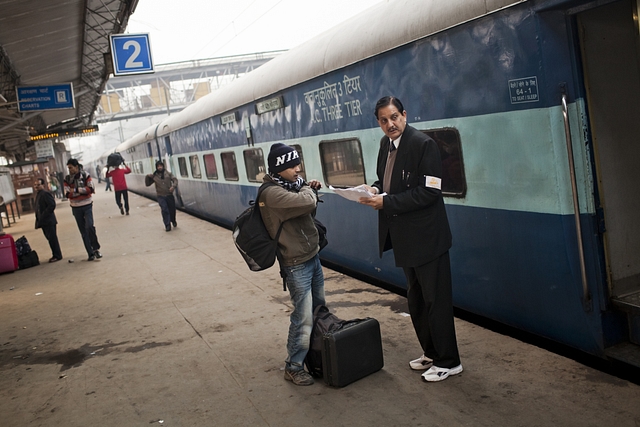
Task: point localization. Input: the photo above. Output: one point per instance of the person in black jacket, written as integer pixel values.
(412, 220)
(46, 218)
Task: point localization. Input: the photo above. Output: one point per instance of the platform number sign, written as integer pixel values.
(131, 54)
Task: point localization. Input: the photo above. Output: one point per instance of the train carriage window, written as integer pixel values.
(167, 145)
(342, 163)
(195, 167)
(453, 178)
(254, 164)
(302, 172)
(182, 165)
(229, 166)
(210, 167)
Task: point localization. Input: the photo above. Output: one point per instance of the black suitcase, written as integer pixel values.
(30, 259)
(352, 352)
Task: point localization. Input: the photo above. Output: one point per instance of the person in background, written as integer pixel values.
(78, 188)
(46, 218)
(108, 181)
(165, 183)
(55, 185)
(60, 177)
(99, 173)
(412, 220)
(120, 184)
(292, 202)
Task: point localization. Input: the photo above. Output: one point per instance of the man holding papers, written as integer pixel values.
(412, 220)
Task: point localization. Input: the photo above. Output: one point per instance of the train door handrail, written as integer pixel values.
(586, 298)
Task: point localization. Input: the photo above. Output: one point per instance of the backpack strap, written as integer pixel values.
(278, 254)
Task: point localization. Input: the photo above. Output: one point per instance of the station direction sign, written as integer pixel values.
(40, 98)
(131, 54)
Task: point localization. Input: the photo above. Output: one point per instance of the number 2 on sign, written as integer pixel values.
(131, 62)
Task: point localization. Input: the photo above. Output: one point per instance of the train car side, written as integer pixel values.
(495, 93)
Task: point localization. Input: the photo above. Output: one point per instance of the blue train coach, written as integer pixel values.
(535, 107)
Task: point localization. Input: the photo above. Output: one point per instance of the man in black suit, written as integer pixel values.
(412, 220)
(46, 218)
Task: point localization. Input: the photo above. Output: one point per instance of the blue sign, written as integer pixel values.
(131, 54)
(38, 98)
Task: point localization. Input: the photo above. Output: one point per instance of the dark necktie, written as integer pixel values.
(391, 159)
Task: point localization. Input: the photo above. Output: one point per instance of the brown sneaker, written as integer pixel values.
(299, 377)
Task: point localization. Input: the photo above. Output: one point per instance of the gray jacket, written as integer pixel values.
(162, 184)
(298, 240)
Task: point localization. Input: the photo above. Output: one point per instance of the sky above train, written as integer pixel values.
(198, 29)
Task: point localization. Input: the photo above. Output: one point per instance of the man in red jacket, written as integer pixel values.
(120, 184)
(78, 188)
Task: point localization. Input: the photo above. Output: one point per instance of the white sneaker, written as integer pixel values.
(421, 363)
(438, 374)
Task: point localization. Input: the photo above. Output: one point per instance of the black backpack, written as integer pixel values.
(323, 322)
(255, 244)
(252, 239)
(22, 246)
(114, 160)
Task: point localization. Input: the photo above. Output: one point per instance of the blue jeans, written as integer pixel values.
(84, 219)
(168, 209)
(306, 288)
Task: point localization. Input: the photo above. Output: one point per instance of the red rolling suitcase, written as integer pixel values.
(352, 352)
(8, 254)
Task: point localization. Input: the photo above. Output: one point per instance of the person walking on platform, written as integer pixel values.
(108, 181)
(55, 185)
(413, 221)
(165, 183)
(46, 218)
(292, 202)
(78, 188)
(120, 185)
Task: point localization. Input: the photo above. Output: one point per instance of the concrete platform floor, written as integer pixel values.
(172, 329)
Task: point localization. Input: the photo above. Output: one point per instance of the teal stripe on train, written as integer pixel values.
(513, 161)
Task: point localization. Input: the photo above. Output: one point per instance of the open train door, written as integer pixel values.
(610, 44)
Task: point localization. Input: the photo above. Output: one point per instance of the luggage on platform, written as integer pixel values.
(30, 259)
(114, 160)
(323, 322)
(352, 352)
(22, 246)
(8, 254)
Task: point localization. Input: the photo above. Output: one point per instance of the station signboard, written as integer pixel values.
(40, 98)
(131, 54)
(44, 149)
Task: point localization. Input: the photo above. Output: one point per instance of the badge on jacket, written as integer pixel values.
(433, 182)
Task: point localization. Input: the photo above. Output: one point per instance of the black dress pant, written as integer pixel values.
(52, 237)
(430, 300)
(122, 194)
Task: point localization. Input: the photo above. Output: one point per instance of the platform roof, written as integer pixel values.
(44, 42)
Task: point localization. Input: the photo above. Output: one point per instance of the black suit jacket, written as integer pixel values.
(413, 221)
(45, 205)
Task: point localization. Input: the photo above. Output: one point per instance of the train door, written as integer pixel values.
(610, 45)
(168, 153)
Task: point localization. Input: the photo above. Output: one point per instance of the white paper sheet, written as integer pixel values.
(353, 193)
